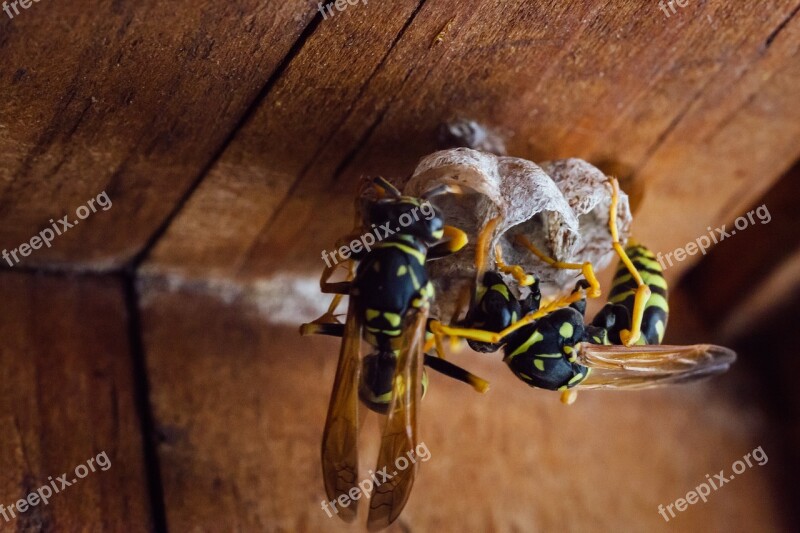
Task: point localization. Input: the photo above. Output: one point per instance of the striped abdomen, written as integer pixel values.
(616, 315)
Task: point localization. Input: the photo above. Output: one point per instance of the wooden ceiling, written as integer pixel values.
(230, 136)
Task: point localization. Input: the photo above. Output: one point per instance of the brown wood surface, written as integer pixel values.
(757, 268)
(230, 136)
(678, 100)
(241, 428)
(773, 359)
(131, 98)
(67, 394)
(282, 192)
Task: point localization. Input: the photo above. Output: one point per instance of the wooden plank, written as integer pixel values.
(66, 396)
(696, 104)
(560, 79)
(737, 273)
(130, 98)
(768, 357)
(242, 426)
(298, 122)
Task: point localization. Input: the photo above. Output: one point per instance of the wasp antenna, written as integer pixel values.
(446, 188)
(384, 187)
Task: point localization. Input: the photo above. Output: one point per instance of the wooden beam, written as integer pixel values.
(241, 430)
(675, 99)
(736, 274)
(67, 395)
(133, 99)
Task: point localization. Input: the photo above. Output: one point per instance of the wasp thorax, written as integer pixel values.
(407, 216)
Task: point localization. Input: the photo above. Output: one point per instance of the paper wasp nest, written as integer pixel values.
(561, 206)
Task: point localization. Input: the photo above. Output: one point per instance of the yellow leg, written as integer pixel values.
(586, 268)
(523, 278)
(568, 396)
(383, 188)
(628, 338)
(436, 341)
(326, 287)
(439, 330)
(462, 304)
(482, 246)
(593, 291)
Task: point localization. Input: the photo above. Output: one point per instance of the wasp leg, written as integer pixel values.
(568, 396)
(435, 363)
(593, 291)
(384, 188)
(328, 320)
(439, 330)
(462, 304)
(339, 289)
(437, 340)
(454, 240)
(481, 253)
(628, 338)
(455, 344)
(445, 188)
(456, 372)
(523, 278)
(317, 328)
(482, 246)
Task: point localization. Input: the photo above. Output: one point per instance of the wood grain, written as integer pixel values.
(678, 100)
(67, 395)
(131, 98)
(241, 430)
(250, 123)
(756, 268)
(768, 356)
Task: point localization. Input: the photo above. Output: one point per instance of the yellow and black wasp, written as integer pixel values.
(389, 298)
(552, 348)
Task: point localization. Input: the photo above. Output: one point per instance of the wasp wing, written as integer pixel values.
(641, 367)
(400, 432)
(339, 440)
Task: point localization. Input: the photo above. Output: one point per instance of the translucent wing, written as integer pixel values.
(641, 367)
(339, 441)
(400, 432)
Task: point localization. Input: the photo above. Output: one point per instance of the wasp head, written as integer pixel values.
(394, 213)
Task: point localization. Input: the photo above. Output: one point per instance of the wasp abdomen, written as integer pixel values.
(617, 313)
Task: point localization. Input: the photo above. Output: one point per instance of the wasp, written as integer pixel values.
(389, 298)
(552, 348)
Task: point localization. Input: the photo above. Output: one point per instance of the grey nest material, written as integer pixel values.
(561, 206)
